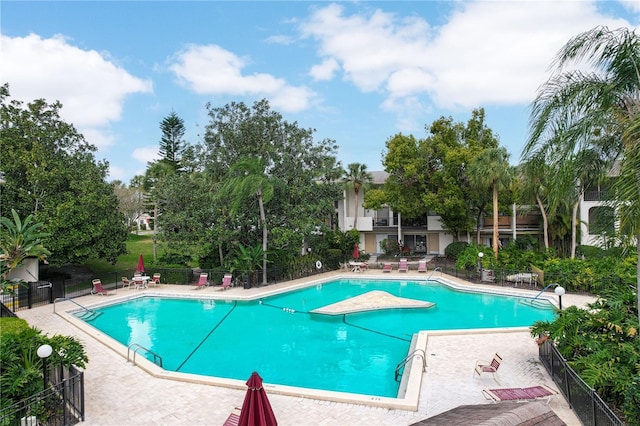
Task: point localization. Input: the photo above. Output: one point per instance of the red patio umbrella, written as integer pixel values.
(140, 267)
(356, 251)
(256, 409)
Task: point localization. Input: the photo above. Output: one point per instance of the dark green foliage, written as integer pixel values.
(453, 250)
(603, 345)
(390, 246)
(589, 275)
(20, 366)
(50, 172)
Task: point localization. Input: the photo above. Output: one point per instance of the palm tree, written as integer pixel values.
(249, 179)
(578, 109)
(491, 169)
(356, 176)
(20, 240)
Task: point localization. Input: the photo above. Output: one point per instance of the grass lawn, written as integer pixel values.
(136, 244)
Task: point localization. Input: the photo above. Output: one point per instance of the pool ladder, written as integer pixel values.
(87, 315)
(414, 354)
(538, 302)
(157, 359)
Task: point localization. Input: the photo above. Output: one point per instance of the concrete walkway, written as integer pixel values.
(119, 393)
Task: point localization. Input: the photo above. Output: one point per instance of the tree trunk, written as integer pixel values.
(495, 220)
(355, 218)
(265, 234)
(545, 222)
(574, 222)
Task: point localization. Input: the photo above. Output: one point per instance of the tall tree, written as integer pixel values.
(172, 144)
(491, 169)
(357, 177)
(579, 109)
(50, 171)
(249, 178)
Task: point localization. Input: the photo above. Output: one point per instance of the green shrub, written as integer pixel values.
(390, 246)
(453, 250)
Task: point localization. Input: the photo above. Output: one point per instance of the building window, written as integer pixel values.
(601, 221)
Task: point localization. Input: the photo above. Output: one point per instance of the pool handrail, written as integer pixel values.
(415, 353)
(437, 268)
(138, 347)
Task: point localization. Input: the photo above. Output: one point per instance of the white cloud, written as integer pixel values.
(91, 88)
(213, 70)
(146, 154)
(326, 70)
(488, 52)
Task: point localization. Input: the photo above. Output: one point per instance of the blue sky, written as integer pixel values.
(357, 72)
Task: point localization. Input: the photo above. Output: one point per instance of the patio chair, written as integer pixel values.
(155, 281)
(488, 367)
(126, 282)
(226, 282)
(403, 266)
(234, 418)
(386, 267)
(202, 282)
(139, 282)
(520, 394)
(422, 266)
(98, 289)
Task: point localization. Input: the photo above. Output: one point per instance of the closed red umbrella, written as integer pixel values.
(140, 267)
(356, 251)
(256, 409)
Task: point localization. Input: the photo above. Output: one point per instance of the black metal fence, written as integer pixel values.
(61, 404)
(27, 295)
(585, 402)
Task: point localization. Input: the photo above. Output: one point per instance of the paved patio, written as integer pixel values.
(119, 393)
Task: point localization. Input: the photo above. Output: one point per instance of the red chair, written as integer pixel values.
(226, 281)
(98, 289)
(488, 367)
(155, 281)
(386, 267)
(403, 266)
(202, 282)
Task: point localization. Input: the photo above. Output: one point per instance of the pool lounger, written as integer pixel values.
(520, 394)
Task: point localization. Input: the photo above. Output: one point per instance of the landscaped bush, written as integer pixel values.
(390, 247)
(453, 250)
(20, 366)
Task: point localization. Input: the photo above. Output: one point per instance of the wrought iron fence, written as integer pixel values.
(585, 402)
(27, 295)
(61, 404)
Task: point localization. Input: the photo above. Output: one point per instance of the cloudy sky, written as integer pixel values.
(357, 72)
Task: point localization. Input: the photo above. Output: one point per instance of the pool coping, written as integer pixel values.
(413, 372)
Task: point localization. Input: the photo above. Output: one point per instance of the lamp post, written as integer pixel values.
(559, 291)
(480, 256)
(44, 352)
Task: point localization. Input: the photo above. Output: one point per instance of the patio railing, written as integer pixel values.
(585, 402)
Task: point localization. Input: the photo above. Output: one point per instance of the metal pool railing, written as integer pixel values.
(585, 402)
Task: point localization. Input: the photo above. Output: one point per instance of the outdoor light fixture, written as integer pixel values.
(559, 291)
(44, 352)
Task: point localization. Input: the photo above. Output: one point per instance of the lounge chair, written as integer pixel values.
(403, 266)
(234, 418)
(488, 367)
(422, 266)
(202, 282)
(126, 282)
(155, 281)
(98, 289)
(386, 267)
(520, 394)
(226, 281)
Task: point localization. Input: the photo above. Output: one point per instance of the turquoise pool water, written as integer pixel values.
(276, 336)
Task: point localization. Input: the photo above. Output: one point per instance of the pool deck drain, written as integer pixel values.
(372, 301)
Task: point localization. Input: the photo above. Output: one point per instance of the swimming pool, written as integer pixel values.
(356, 353)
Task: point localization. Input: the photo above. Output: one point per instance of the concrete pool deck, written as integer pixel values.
(117, 392)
